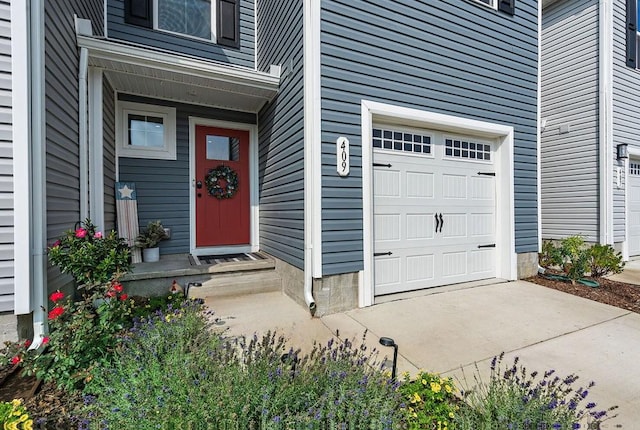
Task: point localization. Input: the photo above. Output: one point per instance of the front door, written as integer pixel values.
(222, 219)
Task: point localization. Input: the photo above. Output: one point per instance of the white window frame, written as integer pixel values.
(168, 115)
(493, 5)
(214, 35)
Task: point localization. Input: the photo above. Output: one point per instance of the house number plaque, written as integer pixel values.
(342, 151)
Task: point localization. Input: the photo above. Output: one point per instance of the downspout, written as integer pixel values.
(82, 131)
(311, 70)
(605, 108)
(38, 170)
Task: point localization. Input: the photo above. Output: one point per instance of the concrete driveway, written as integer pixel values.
(451, 331)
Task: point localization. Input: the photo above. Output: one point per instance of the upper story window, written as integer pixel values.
(506, 6)
(633, 36)
(217, 21)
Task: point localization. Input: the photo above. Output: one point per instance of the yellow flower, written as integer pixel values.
(16, 402)
(435, 387)
(415, 415)
(11, 426)
(451, 415)
(23, 418)
(447, 388)
(416, 398)
(424, 382)
(28, 425)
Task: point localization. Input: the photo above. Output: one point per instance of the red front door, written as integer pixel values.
(222, 221)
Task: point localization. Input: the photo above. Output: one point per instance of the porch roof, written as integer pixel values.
(147, 72)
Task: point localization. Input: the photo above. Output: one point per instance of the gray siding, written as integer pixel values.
(61, 111)
(281, 133)
(118, 29)
(109, 154)
(626, 108)
(162, 186)
(570, 190)
(450, 56)
(6, 163)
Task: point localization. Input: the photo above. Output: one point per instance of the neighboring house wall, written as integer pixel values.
(6, 163)
(163, 186)
(452, 57)
(118, 29)
(569, 143)
(626, 109)
(61, 115)
(281, 132)
(109, 154)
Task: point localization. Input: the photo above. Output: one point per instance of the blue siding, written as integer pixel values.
(453, 57)
(109, 153)
(61, 110)
(118, 29)
(281, 133)
(163, 185)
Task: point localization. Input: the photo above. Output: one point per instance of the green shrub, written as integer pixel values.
(604, 260)
(575, 257)
(516, 399)
(90, 256)
(13, 415)
(429, 401)
(174, 372)
(550, 256)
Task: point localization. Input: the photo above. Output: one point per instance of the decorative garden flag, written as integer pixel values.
(127, 210)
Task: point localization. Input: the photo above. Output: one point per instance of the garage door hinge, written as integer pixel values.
(487, 173)
(493, 245)
(378, 254)
(381, 165)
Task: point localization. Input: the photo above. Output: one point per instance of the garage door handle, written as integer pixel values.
(441, 223)
(493, 245)
(487, 173)
(381, 165)
(378, 254)
(437, 221)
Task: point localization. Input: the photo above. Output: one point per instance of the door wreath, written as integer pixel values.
(214, 178)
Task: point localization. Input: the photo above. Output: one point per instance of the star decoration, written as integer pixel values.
(126, 192)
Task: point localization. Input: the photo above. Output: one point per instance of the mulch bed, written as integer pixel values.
(618, 294)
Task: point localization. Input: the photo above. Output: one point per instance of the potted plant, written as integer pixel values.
(149, 239)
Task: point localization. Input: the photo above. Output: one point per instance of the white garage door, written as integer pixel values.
(434, 209)
(634, 207)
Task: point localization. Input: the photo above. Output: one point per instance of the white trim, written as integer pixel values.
(312, 141)
(168, 115)
(140, 56)
(254, 246)
(105, 15)
(21, 125)
(96, 148)
(83, 150)
(506, 264)
(606, 120)
(635, 153)
(493, 5)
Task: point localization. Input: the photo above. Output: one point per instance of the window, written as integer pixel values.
(464, 148)
(402, 140)
(146, 131)
(506, 6)
(633, 36)
(212, 20)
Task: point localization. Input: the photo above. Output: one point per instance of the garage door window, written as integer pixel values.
(404, 141)
(467, 149)
(634, 169)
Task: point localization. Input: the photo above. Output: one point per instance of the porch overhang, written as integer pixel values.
(151, 73)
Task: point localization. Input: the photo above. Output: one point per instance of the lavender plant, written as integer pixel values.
(173, 371)
(515, 399)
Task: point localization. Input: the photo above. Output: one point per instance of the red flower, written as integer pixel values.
(56, 244)
(27, 343)
(55, 313)
(81, 232)
(117, 287)
(111, 293)
(124, 297)
(56, 296)
(16, 360)
(98, 235)
(45, 340)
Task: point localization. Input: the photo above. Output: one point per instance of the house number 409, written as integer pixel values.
(342, 152)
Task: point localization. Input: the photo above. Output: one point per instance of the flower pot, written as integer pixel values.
(149, 255)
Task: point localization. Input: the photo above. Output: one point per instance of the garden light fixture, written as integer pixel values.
(387, 341)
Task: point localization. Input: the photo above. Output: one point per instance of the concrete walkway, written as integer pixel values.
(449, 331)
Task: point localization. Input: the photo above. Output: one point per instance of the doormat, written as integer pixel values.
(200, 260)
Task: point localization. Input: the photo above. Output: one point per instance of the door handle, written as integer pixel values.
(437, 221)
(199, 184)
(441, 222)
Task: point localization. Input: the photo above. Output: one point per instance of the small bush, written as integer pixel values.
(13, 415)
(516, 399)
(174, 372)
(550, 257)
(604, 260)
(575, 257)
(429, 401)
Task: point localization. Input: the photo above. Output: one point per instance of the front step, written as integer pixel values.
(219, 280)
